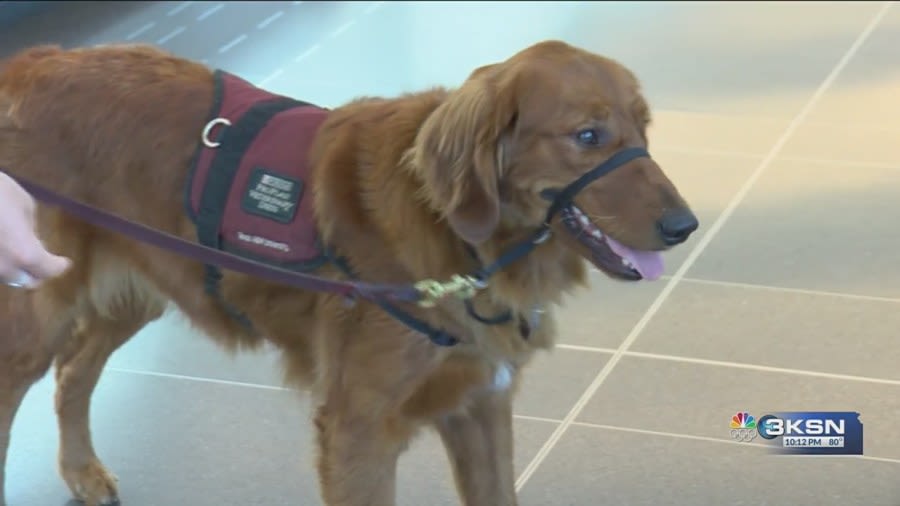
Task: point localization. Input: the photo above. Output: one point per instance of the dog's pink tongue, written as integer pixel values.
(648, 263)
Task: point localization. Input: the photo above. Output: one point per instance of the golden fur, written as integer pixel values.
(399, 185)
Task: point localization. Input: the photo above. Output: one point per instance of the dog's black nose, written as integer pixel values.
(677, 225)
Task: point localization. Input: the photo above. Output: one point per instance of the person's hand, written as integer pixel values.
(24, 262)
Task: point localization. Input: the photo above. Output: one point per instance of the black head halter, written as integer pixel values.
(559, 200)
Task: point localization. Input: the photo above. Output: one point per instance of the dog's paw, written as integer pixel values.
(92, 484)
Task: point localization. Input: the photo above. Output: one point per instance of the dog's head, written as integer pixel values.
(519, 133)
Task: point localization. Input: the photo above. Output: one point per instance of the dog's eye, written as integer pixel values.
(588, 137)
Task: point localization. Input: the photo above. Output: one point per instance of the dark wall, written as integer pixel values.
(13, 12)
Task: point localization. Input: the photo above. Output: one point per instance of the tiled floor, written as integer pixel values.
(779, 121)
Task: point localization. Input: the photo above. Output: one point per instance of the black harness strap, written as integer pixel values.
(436, 336)
(235, 141)
(499, 319)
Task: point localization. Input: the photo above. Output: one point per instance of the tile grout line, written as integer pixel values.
(727, 153)
(763, 368)
(677, 435)
(234, 42)
(341, 29)
(708, 439)
(179, 8)
(540, 419)
(843, 163)
(569, 347)
(171, 35)
(579, 347)
(199, 379)
(269, 20)
(704, 241)
(784, 289)
(862, 125)
(140, 31)
(733, 365)
(887, 460)
(271, 77)
(374, 6)
(537, 419)
(739, 116)
(209, 12)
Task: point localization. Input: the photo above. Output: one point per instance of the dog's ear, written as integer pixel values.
(457, 152)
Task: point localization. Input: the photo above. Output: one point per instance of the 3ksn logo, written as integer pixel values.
(802, 432)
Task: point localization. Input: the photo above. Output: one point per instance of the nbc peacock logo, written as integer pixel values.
(743, 427)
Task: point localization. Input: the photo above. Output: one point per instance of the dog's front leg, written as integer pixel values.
(358, 454)
(479, 443)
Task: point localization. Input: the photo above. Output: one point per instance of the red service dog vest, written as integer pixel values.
(249, 190)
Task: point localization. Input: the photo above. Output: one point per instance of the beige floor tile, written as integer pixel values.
(171, 346)
(727, 63)
(709, 183)
(554, 381)
(594, 467)
(699, 400)
(173, 441)
(718, 134)
(846, 145)
(813, 226)
(777, 328)
(603, 315)
(865, 93)
(861, 107)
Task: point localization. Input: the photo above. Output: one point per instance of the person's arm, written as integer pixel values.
(24, 262)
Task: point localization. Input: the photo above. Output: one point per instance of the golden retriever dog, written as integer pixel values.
(543, 152)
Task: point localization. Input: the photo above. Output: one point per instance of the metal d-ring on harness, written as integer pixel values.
(426, 293)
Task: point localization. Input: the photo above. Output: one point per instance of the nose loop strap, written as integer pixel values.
(562, 198)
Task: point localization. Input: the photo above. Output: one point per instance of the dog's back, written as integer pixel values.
(81, 120)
